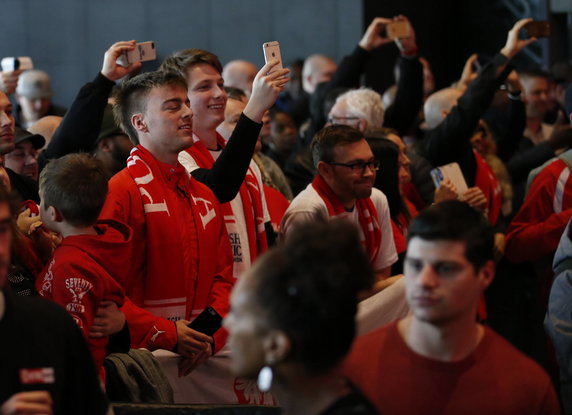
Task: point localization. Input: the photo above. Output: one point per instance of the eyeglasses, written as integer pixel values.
(359, 166)
(341, 120)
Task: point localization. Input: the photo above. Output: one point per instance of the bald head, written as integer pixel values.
(46, 127)
(439, 104)
(239, 74)
(317, 69)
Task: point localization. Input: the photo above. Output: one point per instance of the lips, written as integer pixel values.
(187, 127)
(425, 300)
(7, 137)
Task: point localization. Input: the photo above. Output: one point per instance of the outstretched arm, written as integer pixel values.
(80, 127)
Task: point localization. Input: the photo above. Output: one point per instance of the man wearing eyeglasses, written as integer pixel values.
(343, 187)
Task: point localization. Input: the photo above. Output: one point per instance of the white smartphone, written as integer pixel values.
(22, 63)
(453, 172)
(272, 52)
(144, 51)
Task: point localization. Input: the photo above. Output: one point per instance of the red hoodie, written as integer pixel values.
(84, 271)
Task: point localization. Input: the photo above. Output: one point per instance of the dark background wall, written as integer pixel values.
(449, 31)
(67, 38)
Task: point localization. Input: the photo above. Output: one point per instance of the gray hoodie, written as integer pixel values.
(558, 320)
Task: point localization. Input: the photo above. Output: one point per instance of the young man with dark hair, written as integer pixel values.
(439, 359)
(46, 366)
(87, 267)
(181, 255)
(343, 187)
(247, 213)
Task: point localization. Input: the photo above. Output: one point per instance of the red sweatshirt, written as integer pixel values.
(84, 271)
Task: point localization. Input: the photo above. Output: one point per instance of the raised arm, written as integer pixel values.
(229, 170)
(80, 127)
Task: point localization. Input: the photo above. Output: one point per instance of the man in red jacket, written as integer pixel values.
(181, 260)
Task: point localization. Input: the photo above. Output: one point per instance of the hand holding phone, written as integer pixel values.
(208, 322)
(398, 29)
(537, 28)
(143, 52)
(451, 172)
(10, 64)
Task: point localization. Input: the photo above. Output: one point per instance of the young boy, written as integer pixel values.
(88, 267)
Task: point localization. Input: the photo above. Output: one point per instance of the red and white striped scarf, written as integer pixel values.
(367, 215)
(249, 193)
(169, 296)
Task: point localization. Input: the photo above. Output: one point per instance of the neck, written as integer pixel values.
(309, 395)
(207, 136)
(65, 229)
(448, 342)
(160, 153)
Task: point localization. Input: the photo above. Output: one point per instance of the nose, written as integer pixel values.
(428, 278)
(4, 119)
(188, 112)
(31, 159)
(369, 170)
(220, 92)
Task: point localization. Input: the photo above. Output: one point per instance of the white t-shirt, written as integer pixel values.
(235, 224)
(309, 206)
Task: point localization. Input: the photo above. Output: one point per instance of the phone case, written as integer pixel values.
(272, 51)
(208, 322)
(398, 30)
(143, 52)
(453, 172)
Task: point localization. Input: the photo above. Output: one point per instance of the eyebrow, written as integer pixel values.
(173, 100)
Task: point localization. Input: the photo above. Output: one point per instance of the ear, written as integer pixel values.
(54, 214)
(138, 122)
(444, 114)
(324, 169)
(487, 273)
(105, 144)
(362, 125)
(277, 346)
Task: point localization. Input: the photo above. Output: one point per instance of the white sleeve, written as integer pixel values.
(258, 175)
(387, 253)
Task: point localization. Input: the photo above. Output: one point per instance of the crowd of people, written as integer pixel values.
(305, 210)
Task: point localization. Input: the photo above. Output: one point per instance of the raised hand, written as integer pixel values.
(111, 69)
(265, 89)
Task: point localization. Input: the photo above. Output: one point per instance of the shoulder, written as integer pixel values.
(307, 200)
(506, 355)
(378, 198)
(371, 343)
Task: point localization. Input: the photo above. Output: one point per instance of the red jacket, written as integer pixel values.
(213, 281)
(537, 227)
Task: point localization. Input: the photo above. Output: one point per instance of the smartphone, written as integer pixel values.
(144, 51)
(453, 172)
(208, 322)
(395, 30)
(271, 52)
(538, 28)
(22, 63)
